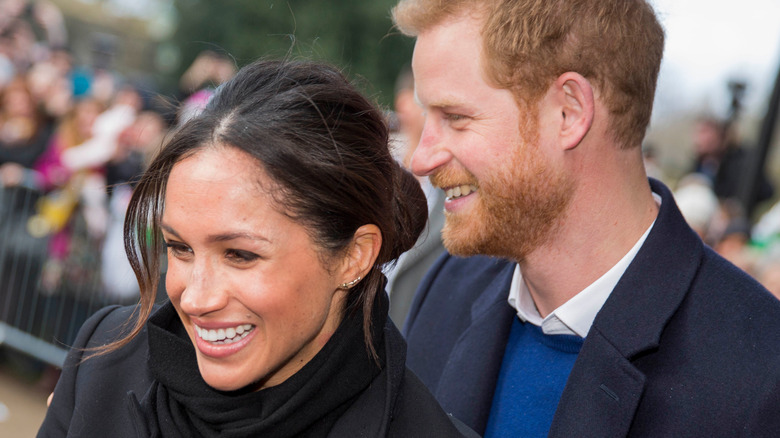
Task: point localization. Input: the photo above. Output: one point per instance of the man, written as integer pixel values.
(611, 318)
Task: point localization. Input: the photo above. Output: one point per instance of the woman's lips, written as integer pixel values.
(223, 342)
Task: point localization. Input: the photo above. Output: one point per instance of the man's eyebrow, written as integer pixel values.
(450, 106)
(444, 103)
(221, 237)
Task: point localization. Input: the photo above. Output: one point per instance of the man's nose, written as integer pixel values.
(431, 153)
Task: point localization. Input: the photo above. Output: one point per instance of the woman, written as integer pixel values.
(279, 205)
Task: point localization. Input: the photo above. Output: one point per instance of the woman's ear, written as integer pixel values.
(577, 108)
(361, 255)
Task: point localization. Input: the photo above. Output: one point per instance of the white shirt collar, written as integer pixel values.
(575, 316)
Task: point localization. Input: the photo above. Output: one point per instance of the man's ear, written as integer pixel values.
(574, 95)
(362, 254)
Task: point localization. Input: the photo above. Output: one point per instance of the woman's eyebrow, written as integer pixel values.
(222, 237)
(170, 230)
(237, 235)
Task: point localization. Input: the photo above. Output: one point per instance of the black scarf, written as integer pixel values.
(180, 403)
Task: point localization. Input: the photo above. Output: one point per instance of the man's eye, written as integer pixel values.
(454, 117)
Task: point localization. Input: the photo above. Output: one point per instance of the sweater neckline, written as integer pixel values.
(563, 343)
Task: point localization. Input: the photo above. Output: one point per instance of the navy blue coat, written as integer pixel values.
(686, 345)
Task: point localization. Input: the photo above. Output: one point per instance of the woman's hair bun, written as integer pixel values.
(410, 211)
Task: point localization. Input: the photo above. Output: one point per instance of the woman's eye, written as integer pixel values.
(240, 256)
(178, 249)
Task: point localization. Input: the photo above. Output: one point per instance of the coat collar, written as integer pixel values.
(479, 351)
(657, 279)
(371, 413)
(604, 387)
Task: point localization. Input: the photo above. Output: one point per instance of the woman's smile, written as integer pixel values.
(246, 280)
(223, 342)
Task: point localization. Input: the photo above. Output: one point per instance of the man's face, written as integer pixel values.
(504, 194)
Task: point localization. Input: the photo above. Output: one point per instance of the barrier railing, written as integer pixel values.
(49, 282)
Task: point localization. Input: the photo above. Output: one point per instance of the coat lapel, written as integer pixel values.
(604, 387)
(601, 395)
(475, 361)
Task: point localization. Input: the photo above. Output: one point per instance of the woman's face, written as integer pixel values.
(246, 281)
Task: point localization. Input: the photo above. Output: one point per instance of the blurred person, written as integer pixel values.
(208, 70)
(62, 186)
(21, 20)
(708, 146)
(23, 136)
(21, 41)
(722, 159)
(697, 203)
(575, 301)
(768, 274)
(137, 143)
(197, 84)
(97, 151)
(733, 244)
(404, 277)
(193, 105)
(42, 13)
(278, 206)
(24, 131)
(766, 231)
(51, 83)
(108, 126)
(74, 129)
(765, 239)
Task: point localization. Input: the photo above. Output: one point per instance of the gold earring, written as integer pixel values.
(351, 283)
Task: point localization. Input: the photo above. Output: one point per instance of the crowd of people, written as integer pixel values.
(709, 198)
(73, 137)
(75, 134)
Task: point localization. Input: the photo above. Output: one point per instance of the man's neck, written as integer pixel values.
(601, 226)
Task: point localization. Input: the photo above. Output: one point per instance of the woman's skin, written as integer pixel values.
(257, 296)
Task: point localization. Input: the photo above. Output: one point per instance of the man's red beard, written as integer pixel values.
(516, 210)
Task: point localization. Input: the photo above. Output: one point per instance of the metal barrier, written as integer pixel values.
(44, 299)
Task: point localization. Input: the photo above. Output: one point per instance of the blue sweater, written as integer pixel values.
(533, 373)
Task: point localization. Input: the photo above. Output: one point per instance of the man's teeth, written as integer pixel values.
(224, 336)
(459, 191)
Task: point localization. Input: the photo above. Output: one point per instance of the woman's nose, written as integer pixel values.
(202, 292)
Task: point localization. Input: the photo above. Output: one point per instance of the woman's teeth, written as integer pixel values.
(459, 191)
(224, 336)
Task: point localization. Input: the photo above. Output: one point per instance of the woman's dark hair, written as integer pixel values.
(323, 144)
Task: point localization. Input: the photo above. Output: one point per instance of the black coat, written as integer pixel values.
(91, 399)
(687, 345)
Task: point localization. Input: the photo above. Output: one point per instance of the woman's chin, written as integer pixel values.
(219, 383)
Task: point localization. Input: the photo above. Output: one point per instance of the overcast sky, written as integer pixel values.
(709, 42)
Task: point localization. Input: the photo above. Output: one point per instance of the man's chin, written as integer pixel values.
(465, 238)
(470, 236)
